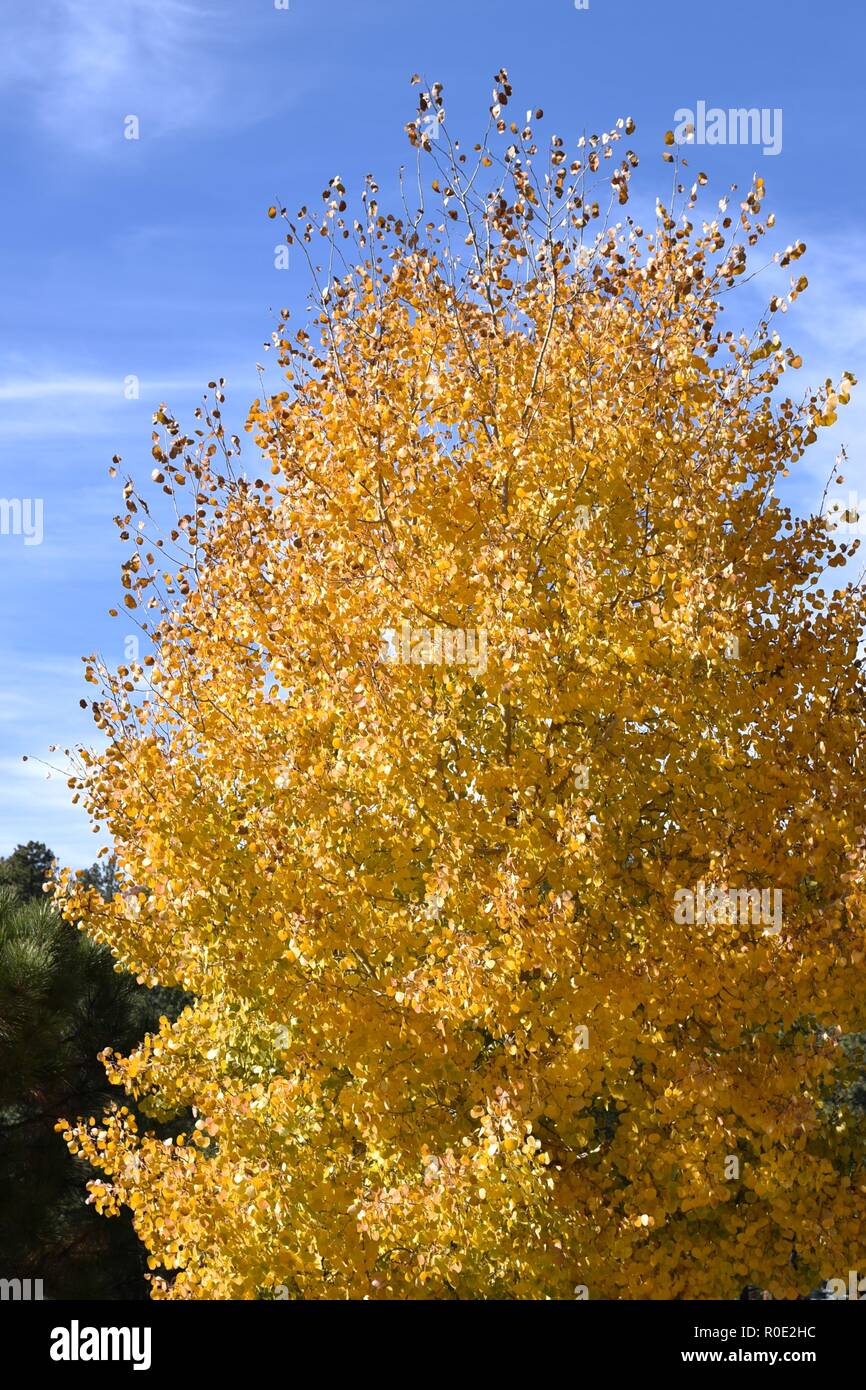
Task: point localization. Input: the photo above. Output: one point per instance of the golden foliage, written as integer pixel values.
(448, 1039)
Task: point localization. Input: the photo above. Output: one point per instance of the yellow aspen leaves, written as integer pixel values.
(493, 702)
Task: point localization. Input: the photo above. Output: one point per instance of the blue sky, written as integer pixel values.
(154, 257)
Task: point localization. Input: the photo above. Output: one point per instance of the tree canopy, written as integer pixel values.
(512, 649)
(27, 869)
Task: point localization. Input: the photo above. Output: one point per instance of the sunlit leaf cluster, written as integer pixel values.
(447, 1038)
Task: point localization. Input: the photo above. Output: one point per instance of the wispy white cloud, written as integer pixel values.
(51, 388)
(39, 711)
(834, 314)
(42, 401)
(84, 65)
(36, 805)
(828, 328)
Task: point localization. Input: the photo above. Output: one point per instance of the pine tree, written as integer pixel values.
(27, 868)
(61, 1002)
